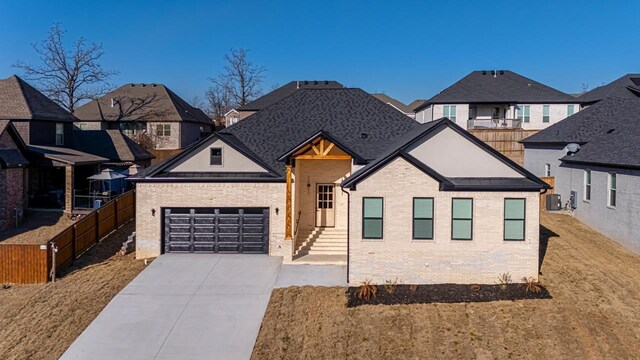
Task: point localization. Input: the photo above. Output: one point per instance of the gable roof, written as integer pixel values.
(416, 104)
(354, 118)
(393, 102)
(362, 125)
(21, 101)
(590, 123)
(141, 102)
(621, 87)
(499, 86)
(286, 90)
(399, 148)
(110, 144)
(13, 157)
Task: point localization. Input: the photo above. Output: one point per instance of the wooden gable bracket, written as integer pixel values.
(320, 151)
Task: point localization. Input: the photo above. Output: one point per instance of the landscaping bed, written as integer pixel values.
(444, 293)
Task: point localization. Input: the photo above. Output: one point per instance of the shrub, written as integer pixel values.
(390, 286)
(504, 279)
(366, 291)
(413, 288)
(531, 285)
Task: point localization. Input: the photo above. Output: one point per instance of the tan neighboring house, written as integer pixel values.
(408, 110)
(240, 113)
(336, 175)
(150, 114)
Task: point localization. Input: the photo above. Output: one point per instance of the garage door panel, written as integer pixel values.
(212, 230)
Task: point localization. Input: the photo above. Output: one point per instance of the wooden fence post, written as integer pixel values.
(115, 212)
(97, 226)
(74, 242)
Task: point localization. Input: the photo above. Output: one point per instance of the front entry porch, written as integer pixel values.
(319, 227)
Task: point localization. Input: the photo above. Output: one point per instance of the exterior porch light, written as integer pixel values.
(153, 212)
(277, 211)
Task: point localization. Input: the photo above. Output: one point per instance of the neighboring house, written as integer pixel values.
(627, 86)
(400, 106)
(151, 114)
(336, 175)
(276, 95)
(602, 175)
(13, 175)
(58, 164)
(499, 99)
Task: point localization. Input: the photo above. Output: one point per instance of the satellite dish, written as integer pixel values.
(573, 148)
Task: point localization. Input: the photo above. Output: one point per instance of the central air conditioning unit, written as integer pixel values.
(553, 202)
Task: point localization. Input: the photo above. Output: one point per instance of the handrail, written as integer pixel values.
(494, 123)
(295, 231)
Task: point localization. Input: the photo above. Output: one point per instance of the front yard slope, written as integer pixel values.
(595, 284)
(41, 321)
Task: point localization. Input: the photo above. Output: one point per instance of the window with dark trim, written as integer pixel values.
(461, 219)
(216, 156)
(423, 218)
(545, 113)
(587, 185)
(514, 219)
(59, 134)
(612, 196)
(163, 130)
(372, 217)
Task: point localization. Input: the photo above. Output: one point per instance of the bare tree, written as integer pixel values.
(67, 76)
(585, 87)
(197, 102)
(241, 79)
(219, 102)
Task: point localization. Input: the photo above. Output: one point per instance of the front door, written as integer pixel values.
(325, 209)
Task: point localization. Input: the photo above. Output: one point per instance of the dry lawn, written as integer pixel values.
(41, 321)
(37, 228)
(594, 314)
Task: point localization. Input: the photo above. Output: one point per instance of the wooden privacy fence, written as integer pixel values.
(33, 263)
(543, 197)
(506, 141)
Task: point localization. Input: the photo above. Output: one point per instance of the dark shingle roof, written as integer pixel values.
(503, 87)
(587, 124)
(286, 90)
(141, 102)
(12, 157)
(616, 88)
(65, 155)
(398, 148)
(110, 144)
(416, 104)
(353, 117)
(21, 101)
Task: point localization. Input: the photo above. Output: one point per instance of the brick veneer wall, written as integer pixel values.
(11, 196)
(441, 260)
(165, 195)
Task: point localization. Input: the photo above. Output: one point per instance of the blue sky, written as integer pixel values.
(406, 49)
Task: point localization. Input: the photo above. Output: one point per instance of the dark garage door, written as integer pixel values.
(216, 230)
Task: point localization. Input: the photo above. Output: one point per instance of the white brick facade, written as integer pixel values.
(441, 260)
(166, 195)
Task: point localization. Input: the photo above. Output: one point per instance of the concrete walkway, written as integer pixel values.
(312, 275)
(184, 306)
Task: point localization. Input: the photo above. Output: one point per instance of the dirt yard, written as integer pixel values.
(37, 227)
(594, 314)
(41, 321)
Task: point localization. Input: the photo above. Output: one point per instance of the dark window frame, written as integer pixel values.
(375, 218)
(587, 185)
(504, 220)
(414, 218)
(211, 156)
(546, 118)
(453, 218)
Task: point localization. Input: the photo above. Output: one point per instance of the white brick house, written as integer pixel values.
(499, 99)
(355, 182)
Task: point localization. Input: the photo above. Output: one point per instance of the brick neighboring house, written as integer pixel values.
(235, 115)
(600, 177)
(58, 165)
(336, 175)
(150, 114)
(499, 99)
(13, 175)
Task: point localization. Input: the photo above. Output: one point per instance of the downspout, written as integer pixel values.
(348, 226)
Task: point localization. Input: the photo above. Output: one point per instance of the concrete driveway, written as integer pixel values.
(184, 306)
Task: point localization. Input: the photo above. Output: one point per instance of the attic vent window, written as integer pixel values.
(610, 131)
(364, 136)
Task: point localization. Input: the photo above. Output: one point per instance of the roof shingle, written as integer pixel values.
(21, 101)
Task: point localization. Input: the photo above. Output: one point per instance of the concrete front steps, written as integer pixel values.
(322, 241)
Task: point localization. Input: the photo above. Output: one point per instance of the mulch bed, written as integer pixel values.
(445, 293)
